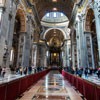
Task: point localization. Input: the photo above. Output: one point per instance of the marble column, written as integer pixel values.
(82, 45)
(74, 55)
(81, 56)
(6, 32)
(45, 58)
(78, 44)
(27, 44)
(65, 54)
(68, 52)
(21, 49)
(89, 49)
(34, 55)
(2, 38)
(96, 8)
(73, 48)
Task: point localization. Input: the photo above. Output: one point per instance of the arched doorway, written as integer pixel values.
(55, 40)
(91, 27)
(18, 39)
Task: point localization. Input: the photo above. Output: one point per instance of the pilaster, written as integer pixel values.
(96, 8)
(81, 57)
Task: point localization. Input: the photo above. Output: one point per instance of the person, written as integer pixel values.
(25, 70)
(21, 70)
(98, 73)
(91, 70)
(80, 72)
(38, 68)
(72, 71)
(29, 69)
(0, 70)
(86, 72)
(76, 71)
(3, 72)
(17, 70)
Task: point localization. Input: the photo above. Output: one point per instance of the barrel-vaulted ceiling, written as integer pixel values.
(45, 6)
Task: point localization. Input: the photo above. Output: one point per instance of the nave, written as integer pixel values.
(53, 86)
(49, 84)
(38, 34)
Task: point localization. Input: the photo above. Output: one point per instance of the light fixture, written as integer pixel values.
(54, 54)
(48, 43)
(54, 9)
(54, 0)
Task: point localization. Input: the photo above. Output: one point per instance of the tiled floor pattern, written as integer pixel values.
(51, 87)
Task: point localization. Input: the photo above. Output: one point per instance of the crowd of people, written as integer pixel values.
(20, 70)
(28, 70)
(16, 70)
(23, 70)
(77, 71)
(86, 71)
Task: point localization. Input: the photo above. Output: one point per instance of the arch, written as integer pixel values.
(19, 27)
(91, 28)
(64, 33)
(89, 19)
(21, 15)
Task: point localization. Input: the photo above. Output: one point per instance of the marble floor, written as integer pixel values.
(9, 77)
(51, 87)
(92, 78)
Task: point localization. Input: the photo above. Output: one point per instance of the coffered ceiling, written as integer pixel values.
(54, 38)
(45, 6)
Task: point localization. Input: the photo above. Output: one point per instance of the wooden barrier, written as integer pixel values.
(23, 84)
(80, 85)
(90, 90)
(12, 89)
(97, 92)
(3, 91)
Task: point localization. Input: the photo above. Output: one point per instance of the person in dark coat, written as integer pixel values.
(0, 70)
(98, 73)
(86, 72)
(29, 69)
(80, 72)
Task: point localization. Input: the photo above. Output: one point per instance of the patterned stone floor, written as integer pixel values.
(51, 87)
(8, 77)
